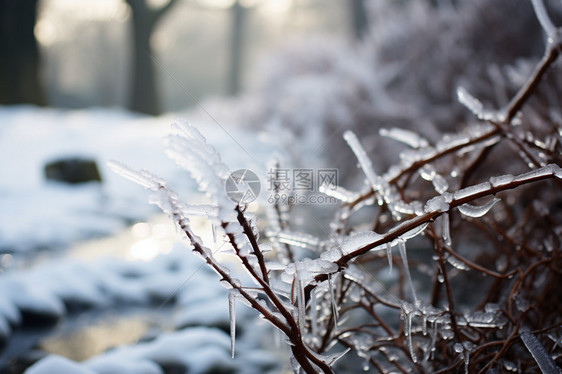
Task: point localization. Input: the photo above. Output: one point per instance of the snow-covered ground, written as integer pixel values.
(37, 214)
(41, 222)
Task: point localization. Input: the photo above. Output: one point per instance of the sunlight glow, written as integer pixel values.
(145, 249)
(277, 7)
(45, 32)
(141, 230)
(151, 240)
(91, 10)
(220, 4)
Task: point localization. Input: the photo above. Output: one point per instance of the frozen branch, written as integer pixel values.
(460, 197)
(544, 19)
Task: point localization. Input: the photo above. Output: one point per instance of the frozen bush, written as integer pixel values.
(467, 221)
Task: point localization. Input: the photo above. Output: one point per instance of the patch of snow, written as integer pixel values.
(37, 213)
(60, 365)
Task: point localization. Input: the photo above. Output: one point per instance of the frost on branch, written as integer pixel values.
(474, 214)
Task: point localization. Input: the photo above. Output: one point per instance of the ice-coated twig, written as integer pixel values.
(363, 159)
(145, 178)
(474, 105)
(408, 137)
(333, 302)
(389, 257)
(552, 52)
(446, 231)
(460, 197)
(427, 157)
(504, 116)
(539, 353)
(232, 294)
(404, 256)
(544, 19)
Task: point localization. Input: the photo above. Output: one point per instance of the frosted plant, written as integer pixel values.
(474, 216)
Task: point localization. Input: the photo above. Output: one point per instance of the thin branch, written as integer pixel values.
(253, 241)
(551, 54)
(548, 172)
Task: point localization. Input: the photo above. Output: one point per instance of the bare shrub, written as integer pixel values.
(469, 226)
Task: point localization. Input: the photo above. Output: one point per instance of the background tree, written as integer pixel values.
(19, 54)
(359, 20)
(238, 14)
(144, 95)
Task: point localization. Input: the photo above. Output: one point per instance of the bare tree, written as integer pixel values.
(19, 54)
(144, 92)
(359, 20)
(238, 14)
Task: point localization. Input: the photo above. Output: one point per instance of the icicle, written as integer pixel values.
(408, 311)
(389, 256)
(333, 300)
(300, 304)
(477, 211)
(300, 274)
(313, 313)
(232, 313)
(364, 161)
(331, 360)
(468, 347)
(407, 137)
(402, 248)
(446, 230)
(539, 353)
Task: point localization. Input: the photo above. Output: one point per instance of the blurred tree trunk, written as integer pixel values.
(238, 14)
(19, 54)
(359, 20)
(144, 94)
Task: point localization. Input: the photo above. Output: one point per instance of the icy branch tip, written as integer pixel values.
(143, 177)
(544, 19)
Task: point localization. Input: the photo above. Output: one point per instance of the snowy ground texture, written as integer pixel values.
(38, 217)
(37, 214)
